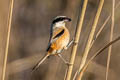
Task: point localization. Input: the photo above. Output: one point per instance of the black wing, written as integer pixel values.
(56, 36)
(59, 34)
(51, 33)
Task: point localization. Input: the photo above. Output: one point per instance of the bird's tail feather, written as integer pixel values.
(40, 62)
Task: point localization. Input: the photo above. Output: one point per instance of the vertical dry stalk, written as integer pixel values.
(77, 36)
(111, 36)
(90, 37)
(8, 37)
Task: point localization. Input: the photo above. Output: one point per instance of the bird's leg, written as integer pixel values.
(66, 62)
(69, 44)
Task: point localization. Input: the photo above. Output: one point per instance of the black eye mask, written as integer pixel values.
(61, 19)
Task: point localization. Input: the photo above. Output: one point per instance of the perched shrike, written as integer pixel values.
(59, 39)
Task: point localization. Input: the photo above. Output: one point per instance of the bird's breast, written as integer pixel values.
(62, 41)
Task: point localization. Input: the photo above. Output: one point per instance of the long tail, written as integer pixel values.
(40, 62)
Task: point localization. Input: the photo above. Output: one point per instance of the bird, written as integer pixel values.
(59, 39)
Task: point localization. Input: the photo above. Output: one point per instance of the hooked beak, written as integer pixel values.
(67, 19)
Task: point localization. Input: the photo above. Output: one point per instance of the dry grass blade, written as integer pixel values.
(98, 53)
(8, 37)
(98, 33)
(77, 35)
(102, 27)
(111, 36)
(88, 46)
(100, 30)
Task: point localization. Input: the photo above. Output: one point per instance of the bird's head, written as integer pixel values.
(59, 21)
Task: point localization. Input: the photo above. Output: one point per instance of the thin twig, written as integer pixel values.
(77, 36)
(98, 53)
(111, 36)
(8, 37)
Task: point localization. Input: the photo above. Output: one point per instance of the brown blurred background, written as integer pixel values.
(30, 34)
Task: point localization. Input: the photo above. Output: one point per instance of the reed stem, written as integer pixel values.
(111, 36)
(8, 38)
(77, 36)
(88, 46)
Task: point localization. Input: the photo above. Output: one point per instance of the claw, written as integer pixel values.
(69, 64)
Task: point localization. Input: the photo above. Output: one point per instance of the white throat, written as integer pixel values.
(60, 24)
